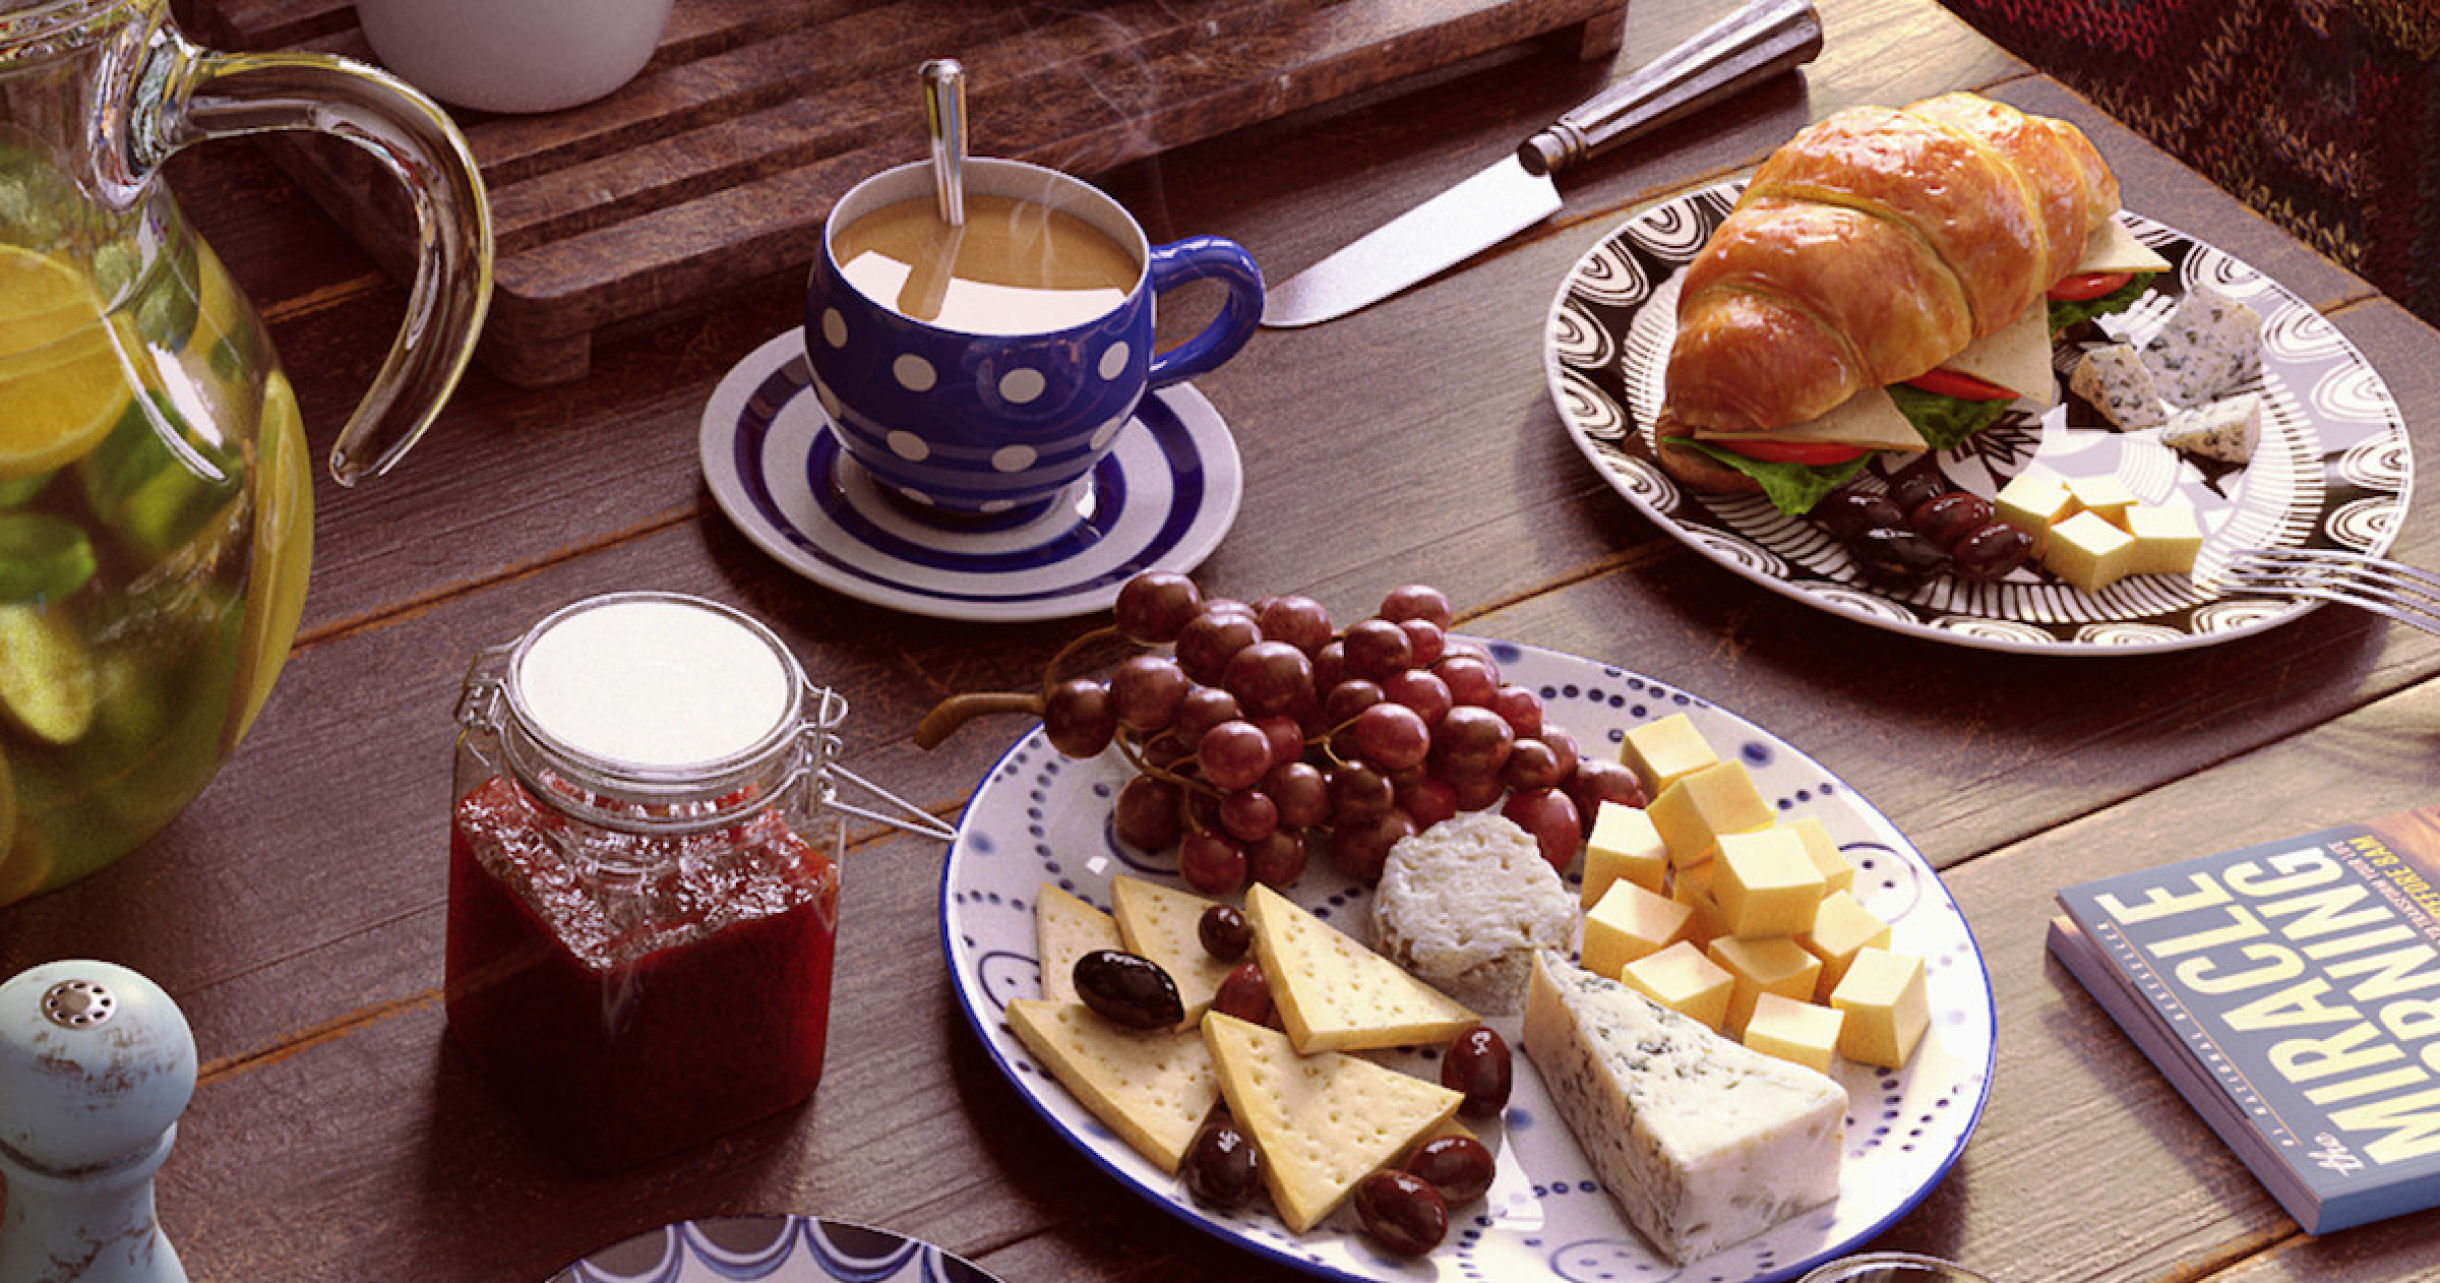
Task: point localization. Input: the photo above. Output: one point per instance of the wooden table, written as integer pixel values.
(296, 910)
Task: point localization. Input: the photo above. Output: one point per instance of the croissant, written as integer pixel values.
(1872, 247)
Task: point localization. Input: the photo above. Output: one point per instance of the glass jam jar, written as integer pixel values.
(643, 875)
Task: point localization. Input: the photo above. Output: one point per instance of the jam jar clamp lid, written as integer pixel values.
(660, 697)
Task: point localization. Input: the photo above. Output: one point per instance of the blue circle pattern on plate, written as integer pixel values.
(1162, 498)
(774, 1249)
(1041, 818)
(2334, 467)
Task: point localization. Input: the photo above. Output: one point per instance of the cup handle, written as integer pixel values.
(205, 95)
(1201, 258)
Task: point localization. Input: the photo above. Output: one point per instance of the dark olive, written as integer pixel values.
(1225, 933)
(1129, 989)
(1402, 1211)
(1896, 555)
(1916, 487)
(1951, 517)
(1478, 1067)
(1460, 1167)
(1245, 995)
(1850, 512)
(1222, 1167)
(1991, 552)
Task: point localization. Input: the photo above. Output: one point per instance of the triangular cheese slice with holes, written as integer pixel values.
(2017, 358)
(1153, 1089)
(2112, 248)
(1322, 1122)
(1065, 929)
(1334, 994)
(1163, 923)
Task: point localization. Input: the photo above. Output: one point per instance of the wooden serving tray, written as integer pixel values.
(716, 165)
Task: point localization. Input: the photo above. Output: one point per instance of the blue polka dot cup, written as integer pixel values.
(966, 424)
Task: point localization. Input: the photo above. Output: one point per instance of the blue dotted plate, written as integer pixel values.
(1039, 817)
(774, 1249)
(1162, 499)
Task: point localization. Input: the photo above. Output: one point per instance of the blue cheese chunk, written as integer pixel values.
(2224, 430)
(1702, 1141)
(2208, 346)
(2113, 378)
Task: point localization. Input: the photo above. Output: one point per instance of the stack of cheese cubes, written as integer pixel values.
(2091, 532)
(1708, 906)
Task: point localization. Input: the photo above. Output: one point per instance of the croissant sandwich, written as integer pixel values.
(1890, 279)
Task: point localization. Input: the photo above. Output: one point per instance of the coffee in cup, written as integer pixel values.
(980, 371)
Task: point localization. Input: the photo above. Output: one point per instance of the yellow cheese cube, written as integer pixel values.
(1692, 887)
(1662, 753)
(1692, 813)
(2088, 552)
(2167, 539)
(1630, 923)
(1794, 1031)
(1766, 883)
(1683, 980)
(1886, 1005)
(1778, 965)
(2034, 501)
(2104, 496)
(1841, 928)
(1838, 872)
(1624, 846)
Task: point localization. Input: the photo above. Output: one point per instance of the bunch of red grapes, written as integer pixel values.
(1264, 732)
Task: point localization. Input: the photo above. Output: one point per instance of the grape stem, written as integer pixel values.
(957, 710)
(1050, 671)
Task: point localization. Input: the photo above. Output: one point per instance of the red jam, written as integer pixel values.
(625, 1025)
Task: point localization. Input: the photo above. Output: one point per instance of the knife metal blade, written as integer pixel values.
(1752, 45)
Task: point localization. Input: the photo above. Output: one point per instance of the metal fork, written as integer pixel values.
(2387, 588)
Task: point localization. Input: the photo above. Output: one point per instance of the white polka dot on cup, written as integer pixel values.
(834, 327)
(906, 445)
(913, 495)
(914, 373)
(1012, 458)
(1020, 386)
(1114, 360)
(1103, 434)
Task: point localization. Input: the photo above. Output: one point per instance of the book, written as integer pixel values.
(2291, 992)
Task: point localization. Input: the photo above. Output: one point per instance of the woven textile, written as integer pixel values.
(2324, 115)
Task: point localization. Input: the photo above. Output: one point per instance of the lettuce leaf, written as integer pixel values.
(2064, 313)
(1793, 488)
(1945, 421)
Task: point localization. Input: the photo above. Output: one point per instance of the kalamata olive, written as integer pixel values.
(1478, 1067)
(1224, 932)
(1460, 1167)
(1951, 517)
(1991, 552)
(1222, 1167)
(1402, 1211)
(1916, 487)
(1129, 989)
(1850, 512)
(1244, 993)
(1896, 555)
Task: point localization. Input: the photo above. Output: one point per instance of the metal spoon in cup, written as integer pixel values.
(944, 117)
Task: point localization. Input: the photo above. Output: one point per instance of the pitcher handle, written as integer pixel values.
(198, 95)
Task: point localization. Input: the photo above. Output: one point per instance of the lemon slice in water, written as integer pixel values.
(61, 382)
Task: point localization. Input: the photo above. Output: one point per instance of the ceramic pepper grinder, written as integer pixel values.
(96, 1064)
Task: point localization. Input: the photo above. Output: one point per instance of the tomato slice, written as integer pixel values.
(1810, 453)
(1965, 387)
(2089, 285)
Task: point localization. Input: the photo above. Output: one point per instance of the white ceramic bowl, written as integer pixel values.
(514, 55)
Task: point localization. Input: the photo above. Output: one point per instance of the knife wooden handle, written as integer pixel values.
(1732, 55)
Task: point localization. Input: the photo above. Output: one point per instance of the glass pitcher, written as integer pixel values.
(156, 508)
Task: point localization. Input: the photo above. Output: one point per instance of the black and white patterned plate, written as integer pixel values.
(2334, 468)
(771, 1249)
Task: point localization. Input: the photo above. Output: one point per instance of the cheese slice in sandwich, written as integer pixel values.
(2016, 358)
(1153, 1089)
(2112, 248)
(1869, 420)
(1322, 1122)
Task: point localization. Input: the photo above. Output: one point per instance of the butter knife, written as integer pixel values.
(1742, 50)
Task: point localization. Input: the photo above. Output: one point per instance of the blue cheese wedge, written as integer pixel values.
(1703, 1142)
(2118, 384)
(2208, 346)
(2226, 430)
